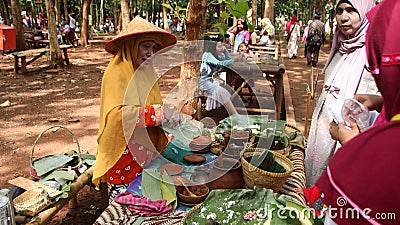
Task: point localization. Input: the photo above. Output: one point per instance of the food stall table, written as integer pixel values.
(268, 69)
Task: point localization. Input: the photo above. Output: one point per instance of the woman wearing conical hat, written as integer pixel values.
(130, 106)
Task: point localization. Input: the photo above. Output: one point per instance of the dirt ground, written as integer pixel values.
(70, 98)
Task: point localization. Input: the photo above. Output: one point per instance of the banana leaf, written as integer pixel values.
(49, 163)
(229, 207)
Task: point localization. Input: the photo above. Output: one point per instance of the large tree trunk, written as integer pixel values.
(269, 10)
(195, 24)
(4, 11)
(55, 52)
(254, 13)
(115, 16)
(16, 15)
(165, 18)
(125, 13)
(85, 23)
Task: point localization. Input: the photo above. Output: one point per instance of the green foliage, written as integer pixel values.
(178, 11)
(236, 8)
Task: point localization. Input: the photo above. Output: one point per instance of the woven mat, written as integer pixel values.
(116, 214)
(297, 179)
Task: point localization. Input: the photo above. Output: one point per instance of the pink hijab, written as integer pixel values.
(345, 77)
(364, 173)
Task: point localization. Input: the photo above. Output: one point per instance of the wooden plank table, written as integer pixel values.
(272, 69)
(37, 53)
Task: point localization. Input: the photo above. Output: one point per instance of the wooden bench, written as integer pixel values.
(271, 50)
(37, 53)
(37, 43)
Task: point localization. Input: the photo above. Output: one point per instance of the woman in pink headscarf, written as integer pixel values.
(364, 172)
(345, 76)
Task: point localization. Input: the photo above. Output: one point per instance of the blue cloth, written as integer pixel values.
(173, 153)
(209, 65)
(239, 38)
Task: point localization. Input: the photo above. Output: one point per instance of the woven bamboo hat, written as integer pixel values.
(139, 26)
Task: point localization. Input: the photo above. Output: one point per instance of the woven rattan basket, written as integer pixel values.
(31, 202)
(77, 150)
(254, 176)
(190, 213)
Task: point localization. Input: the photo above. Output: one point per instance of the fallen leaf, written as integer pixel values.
(5, 104)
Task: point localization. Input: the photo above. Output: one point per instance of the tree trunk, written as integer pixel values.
(34, 22)
(16, 15)
(58, 10)
(318, 6)
(165, 18)
(101, 19)
(85, 23)
(146, 10)
(196, 16)
(6, 12)
(254, 13)
(66, 17)
(269, 10)
(55, 52)
(115, 16)
(141, 8)
(153, 12)
(310, 10)
(125, 13)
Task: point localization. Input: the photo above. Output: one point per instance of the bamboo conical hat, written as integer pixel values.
(139, 26)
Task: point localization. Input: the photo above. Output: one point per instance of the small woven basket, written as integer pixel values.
(32, 160)
(31, 202)
(254, 176)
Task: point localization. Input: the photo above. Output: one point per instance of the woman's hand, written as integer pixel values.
(342, 133)
(372, 102)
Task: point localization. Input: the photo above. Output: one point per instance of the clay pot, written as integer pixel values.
(233, 151)
(226, 176)
(201, 192)
(200, 144)
(237, 137)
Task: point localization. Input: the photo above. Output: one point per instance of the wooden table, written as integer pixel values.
(272, 69)
(37, 53)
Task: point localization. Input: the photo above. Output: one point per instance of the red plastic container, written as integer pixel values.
(8, 37)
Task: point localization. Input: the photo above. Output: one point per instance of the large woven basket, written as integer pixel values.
(190, 213)
(254, 176)
(32, 158)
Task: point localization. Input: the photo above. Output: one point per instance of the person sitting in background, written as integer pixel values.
(38, 34)
(245, 51)
(214, 57)
(69, 35)
(227, 41)
(255, 35)
(264, 39)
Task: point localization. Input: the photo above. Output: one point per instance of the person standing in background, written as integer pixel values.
(241, 34)
(304, 39)
(72, 22)
(315, 39)
(292, 37)
(345, 75)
